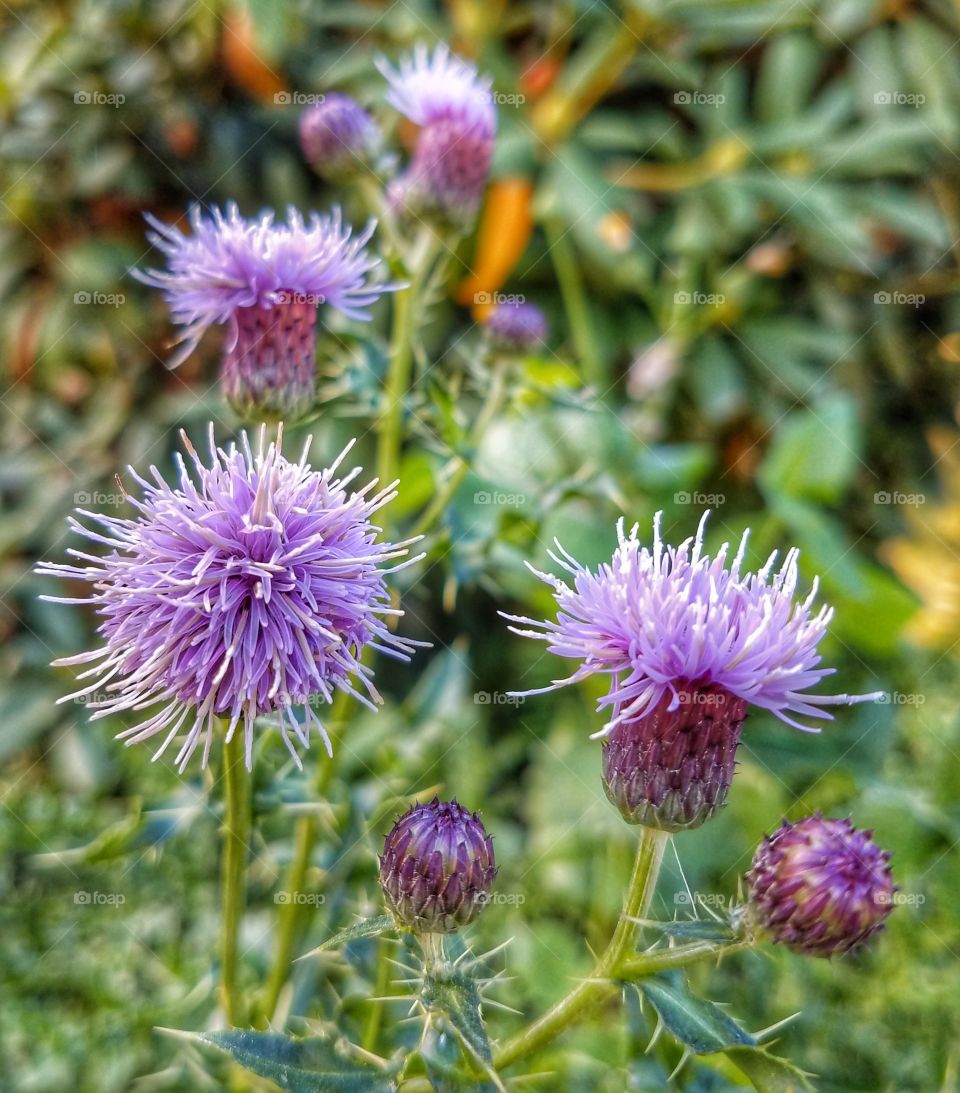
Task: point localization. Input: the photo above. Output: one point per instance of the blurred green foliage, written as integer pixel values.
(758, 205)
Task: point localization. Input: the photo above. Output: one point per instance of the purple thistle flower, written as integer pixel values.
(264, 281)
(660, 621)
(454, 107)
(517, 327)
(820, 887)
(437, 868)
(688, 642)
(338, 136)
(250, 588)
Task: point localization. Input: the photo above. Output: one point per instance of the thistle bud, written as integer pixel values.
(820, 886)
(671, 768)
(338, 137)
(516, 327)
(269, 368)
(437, 867)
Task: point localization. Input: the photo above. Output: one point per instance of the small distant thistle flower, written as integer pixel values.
(338, 137)
(517, 327)
(251, 588)
(264, 281)
(819, 886)
(454, 107)
(688, 644)
(437, 868)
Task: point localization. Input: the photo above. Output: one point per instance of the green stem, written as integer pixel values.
(236, 838)
(288, 925)
(291, 914)
(588, 992)
(575, 305)
(459, 466)
(401, 358)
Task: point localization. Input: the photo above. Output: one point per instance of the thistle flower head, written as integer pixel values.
(437, 868)
(230, 263)
(517, 327)
(820, 886)
(666, 621)
(250, 587)
(338, 136)
(438, 87)
(454, 108)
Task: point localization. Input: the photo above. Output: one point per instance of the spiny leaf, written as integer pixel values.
(315, 1065)
(454, 999)
(769, 1073)
(367, 927)
(701, 1025)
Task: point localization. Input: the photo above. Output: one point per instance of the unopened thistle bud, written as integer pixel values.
(437, 867)
(516, 327)
(671, 768)
(338, 137)
(820, 887)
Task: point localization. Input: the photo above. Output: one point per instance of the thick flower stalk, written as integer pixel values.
(516, 327)
(251, 587)
(437, 868)
(688, 642)
(264, 282)
(338, 137)
(454, 108)
(820, 887)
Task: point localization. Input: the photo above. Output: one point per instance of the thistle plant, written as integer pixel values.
(252, 596)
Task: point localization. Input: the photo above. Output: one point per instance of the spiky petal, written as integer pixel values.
(250, 587)
(437, 868)
(820, 887)
(658, 621)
